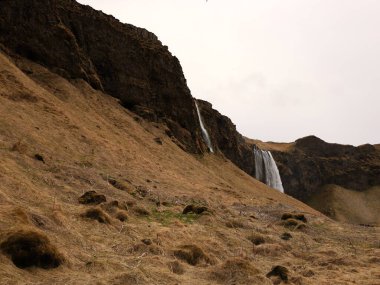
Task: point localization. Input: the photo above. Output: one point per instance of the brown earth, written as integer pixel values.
(60, 138)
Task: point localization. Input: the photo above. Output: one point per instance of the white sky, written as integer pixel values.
(280, 69)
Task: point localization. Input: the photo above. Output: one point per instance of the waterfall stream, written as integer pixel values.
(205, 135)
(266, 169)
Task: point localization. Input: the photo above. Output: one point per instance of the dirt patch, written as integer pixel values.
(294, 224)
(92, 198)
(194, 209)
(295, 216)
(30, 248)
(279, 271)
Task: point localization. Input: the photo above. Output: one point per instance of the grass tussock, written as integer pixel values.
(269, 249)
(91, 197)
(256, 239)
(176, 267)
(121, 215)
(141, 211)
(97, 214)
(193, 255)
(293, 224)
(236, 271)
(295, 216)
(27, 248)
(194, 209)
(279, 271)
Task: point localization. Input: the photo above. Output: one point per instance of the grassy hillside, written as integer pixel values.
(347, 205)
(60, 139)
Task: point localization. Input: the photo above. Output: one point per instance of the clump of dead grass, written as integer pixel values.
(236, 271)
(194, 209)
(91, 197)
(176, 267)
(193, 255)
(97, 214)
(141, 211)
(269, 249)
(295, 216)
(293, 224)
(121, 215)
(27, 248)
(256, 239)
(279, 271)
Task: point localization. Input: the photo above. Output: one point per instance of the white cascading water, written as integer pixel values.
(266, 169)
(205, 135)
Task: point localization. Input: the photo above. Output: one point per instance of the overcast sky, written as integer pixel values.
(280, 69)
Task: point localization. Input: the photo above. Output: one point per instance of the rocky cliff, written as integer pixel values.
(226, 139)
(129, 63)
(312, 163)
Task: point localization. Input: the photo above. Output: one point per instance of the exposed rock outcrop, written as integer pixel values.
(129, 63)
(312, 163)
(227, 139)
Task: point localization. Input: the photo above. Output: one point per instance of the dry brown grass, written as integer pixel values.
(349, 206)
(193, 255)
(84, 137)
(237, 271)
(97, 214)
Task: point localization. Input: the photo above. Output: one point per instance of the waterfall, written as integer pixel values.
(205, 135)
(266, 169)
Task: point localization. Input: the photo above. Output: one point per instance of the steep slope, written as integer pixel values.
(348, 205)
(227, 139)
(127, 62)
(60, 138)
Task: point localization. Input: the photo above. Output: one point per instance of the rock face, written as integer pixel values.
(126, 62)
(129, 63)
(227, 139)
(313, 163)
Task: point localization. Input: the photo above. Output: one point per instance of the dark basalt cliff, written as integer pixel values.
(128, 63)
(313, 163)
(227, 139)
